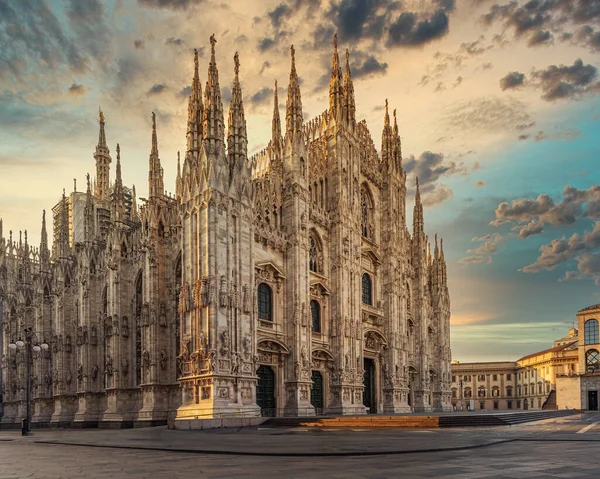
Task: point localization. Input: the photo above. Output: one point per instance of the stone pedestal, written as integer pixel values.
(64, 410)
(41, 411)
(122, 406)
(157, 401)
(395, 401)
(91, 406)
(347, 401)
(297, 402)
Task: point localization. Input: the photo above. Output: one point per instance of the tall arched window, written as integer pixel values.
(265, 302)
(367, 289)
(592, 360)
(315, 313)
(315, 255)
(591, 331)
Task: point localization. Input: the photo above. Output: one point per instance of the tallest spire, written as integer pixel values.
(102, 157)
(213, 122)
(293, 110)
(195, 108)
(336, 94)
(155, 172)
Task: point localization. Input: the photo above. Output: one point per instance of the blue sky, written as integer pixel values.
(498, 107)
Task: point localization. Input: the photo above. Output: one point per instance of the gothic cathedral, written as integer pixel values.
(285, 284)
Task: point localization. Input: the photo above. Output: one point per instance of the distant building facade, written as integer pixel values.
(528, 383)
(580, 389)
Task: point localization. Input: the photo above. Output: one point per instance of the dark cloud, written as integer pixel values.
(170, 4)
(185, 92)
(262, 97)
(226, 94)
(540, 37)
(365, 65)
(512, 80)
(157, 89)
(475, 48)
(175, 42)
(407, 31)
(77, 90)
(561, 82)
(356, 19)
(447, 5)
(89, 23)
(279, 13)
(138, 44)
(430, 167)
(266, 64)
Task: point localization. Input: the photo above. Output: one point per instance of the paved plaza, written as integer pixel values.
(565, 447)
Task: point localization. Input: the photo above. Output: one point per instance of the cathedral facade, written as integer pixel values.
(287, 283)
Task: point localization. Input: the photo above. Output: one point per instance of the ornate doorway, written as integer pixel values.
(592, 400)
(265, 392)
(316, 392)
(369, 389)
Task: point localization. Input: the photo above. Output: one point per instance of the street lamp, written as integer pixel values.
(30, 336)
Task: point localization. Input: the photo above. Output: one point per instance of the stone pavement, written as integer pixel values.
(565, 447)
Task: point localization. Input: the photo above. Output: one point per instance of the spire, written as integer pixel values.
(118, 203)
(63, 246)
(276, 124)
(336, 94)
(293, 107)
(237, 138)
(88, 212)
(102, 157)
(213, 129)
(178, 180)
(397, 145)
(387, 143)
(195, 111)
(349, 92)
(44, 236)
(418, 225)
(155, 172)
(436, 253)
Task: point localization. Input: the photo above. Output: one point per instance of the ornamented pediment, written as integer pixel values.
(318, 289)
(322, 355)
(272, 346)
(269, 271)
(375, 341)
(372, 256)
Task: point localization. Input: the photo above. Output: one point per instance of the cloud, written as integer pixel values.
(475, 260)
(433, 195)
(475, 48)
(512, 80)
(77, 90)
(540, 37)
(489, 246)
(430, 167)
(532, 228)
(262, 97)
(407, 31)
(170, 4)
(575, 204)
(486, 114)
(185, 92)
(480, 184)
(369, 66)
(560, 250)
(157, 89)
(174, 42)
(278, 14)
(139, 44)
(560, 82)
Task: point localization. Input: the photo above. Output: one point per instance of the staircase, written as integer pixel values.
(550, 402)
(417, 421)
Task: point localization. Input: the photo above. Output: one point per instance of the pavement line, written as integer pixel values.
(586, 428)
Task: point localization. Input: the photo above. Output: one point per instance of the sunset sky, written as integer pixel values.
(498, 107)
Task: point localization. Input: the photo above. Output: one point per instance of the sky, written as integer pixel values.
(498, 106)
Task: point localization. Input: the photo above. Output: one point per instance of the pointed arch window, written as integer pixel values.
(265, 302)
(591, 331)
(366, 214)
(315, 255)
(367, 289)
(315, 313)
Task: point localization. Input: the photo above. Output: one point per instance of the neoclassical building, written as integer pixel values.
(287, 283)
